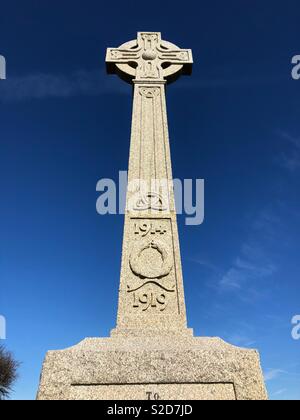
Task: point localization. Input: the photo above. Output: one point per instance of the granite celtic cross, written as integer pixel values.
(151, 354)
(151, 297)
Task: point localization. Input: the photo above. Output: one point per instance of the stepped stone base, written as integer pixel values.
(141, 368)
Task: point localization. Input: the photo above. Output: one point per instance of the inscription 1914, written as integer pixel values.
(144, 228)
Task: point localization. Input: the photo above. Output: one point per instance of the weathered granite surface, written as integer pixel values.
(151, 291)
(138, 368)
(151, 351)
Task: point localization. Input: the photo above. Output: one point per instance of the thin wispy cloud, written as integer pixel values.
(205, 263)
(238, 82)
(279, 392)
(245, 269)
(233, 279)
(93, 83)
(290, 157)
(278, 374)
(240, 340)
(293, 140)
(46, 85)
(253, 262)
(267, 224)
(291, 162)
(271, 374)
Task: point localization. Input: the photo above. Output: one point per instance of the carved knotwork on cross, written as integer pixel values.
(148, 58)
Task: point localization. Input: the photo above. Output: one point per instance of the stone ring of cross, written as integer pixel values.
(148, 271)
(149, 58)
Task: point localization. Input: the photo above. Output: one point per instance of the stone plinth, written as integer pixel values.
(171, 368)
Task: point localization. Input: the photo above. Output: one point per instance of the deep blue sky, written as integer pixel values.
(65, 125)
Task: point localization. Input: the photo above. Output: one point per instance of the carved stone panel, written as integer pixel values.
(152, 283)
(150, 275)
(155, 392)
(150, 174)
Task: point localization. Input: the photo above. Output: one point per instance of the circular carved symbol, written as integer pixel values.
(148, 271)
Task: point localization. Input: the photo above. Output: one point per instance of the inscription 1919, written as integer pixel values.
(147, 300)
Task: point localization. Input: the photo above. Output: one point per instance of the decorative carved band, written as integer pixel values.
(149, 92)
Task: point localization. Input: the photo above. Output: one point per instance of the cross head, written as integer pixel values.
(149, 58)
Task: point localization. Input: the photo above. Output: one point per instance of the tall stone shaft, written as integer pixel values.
(151, 353)
(151, 296)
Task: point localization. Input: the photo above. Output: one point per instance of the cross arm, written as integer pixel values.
(181, 56)
(120, 56)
